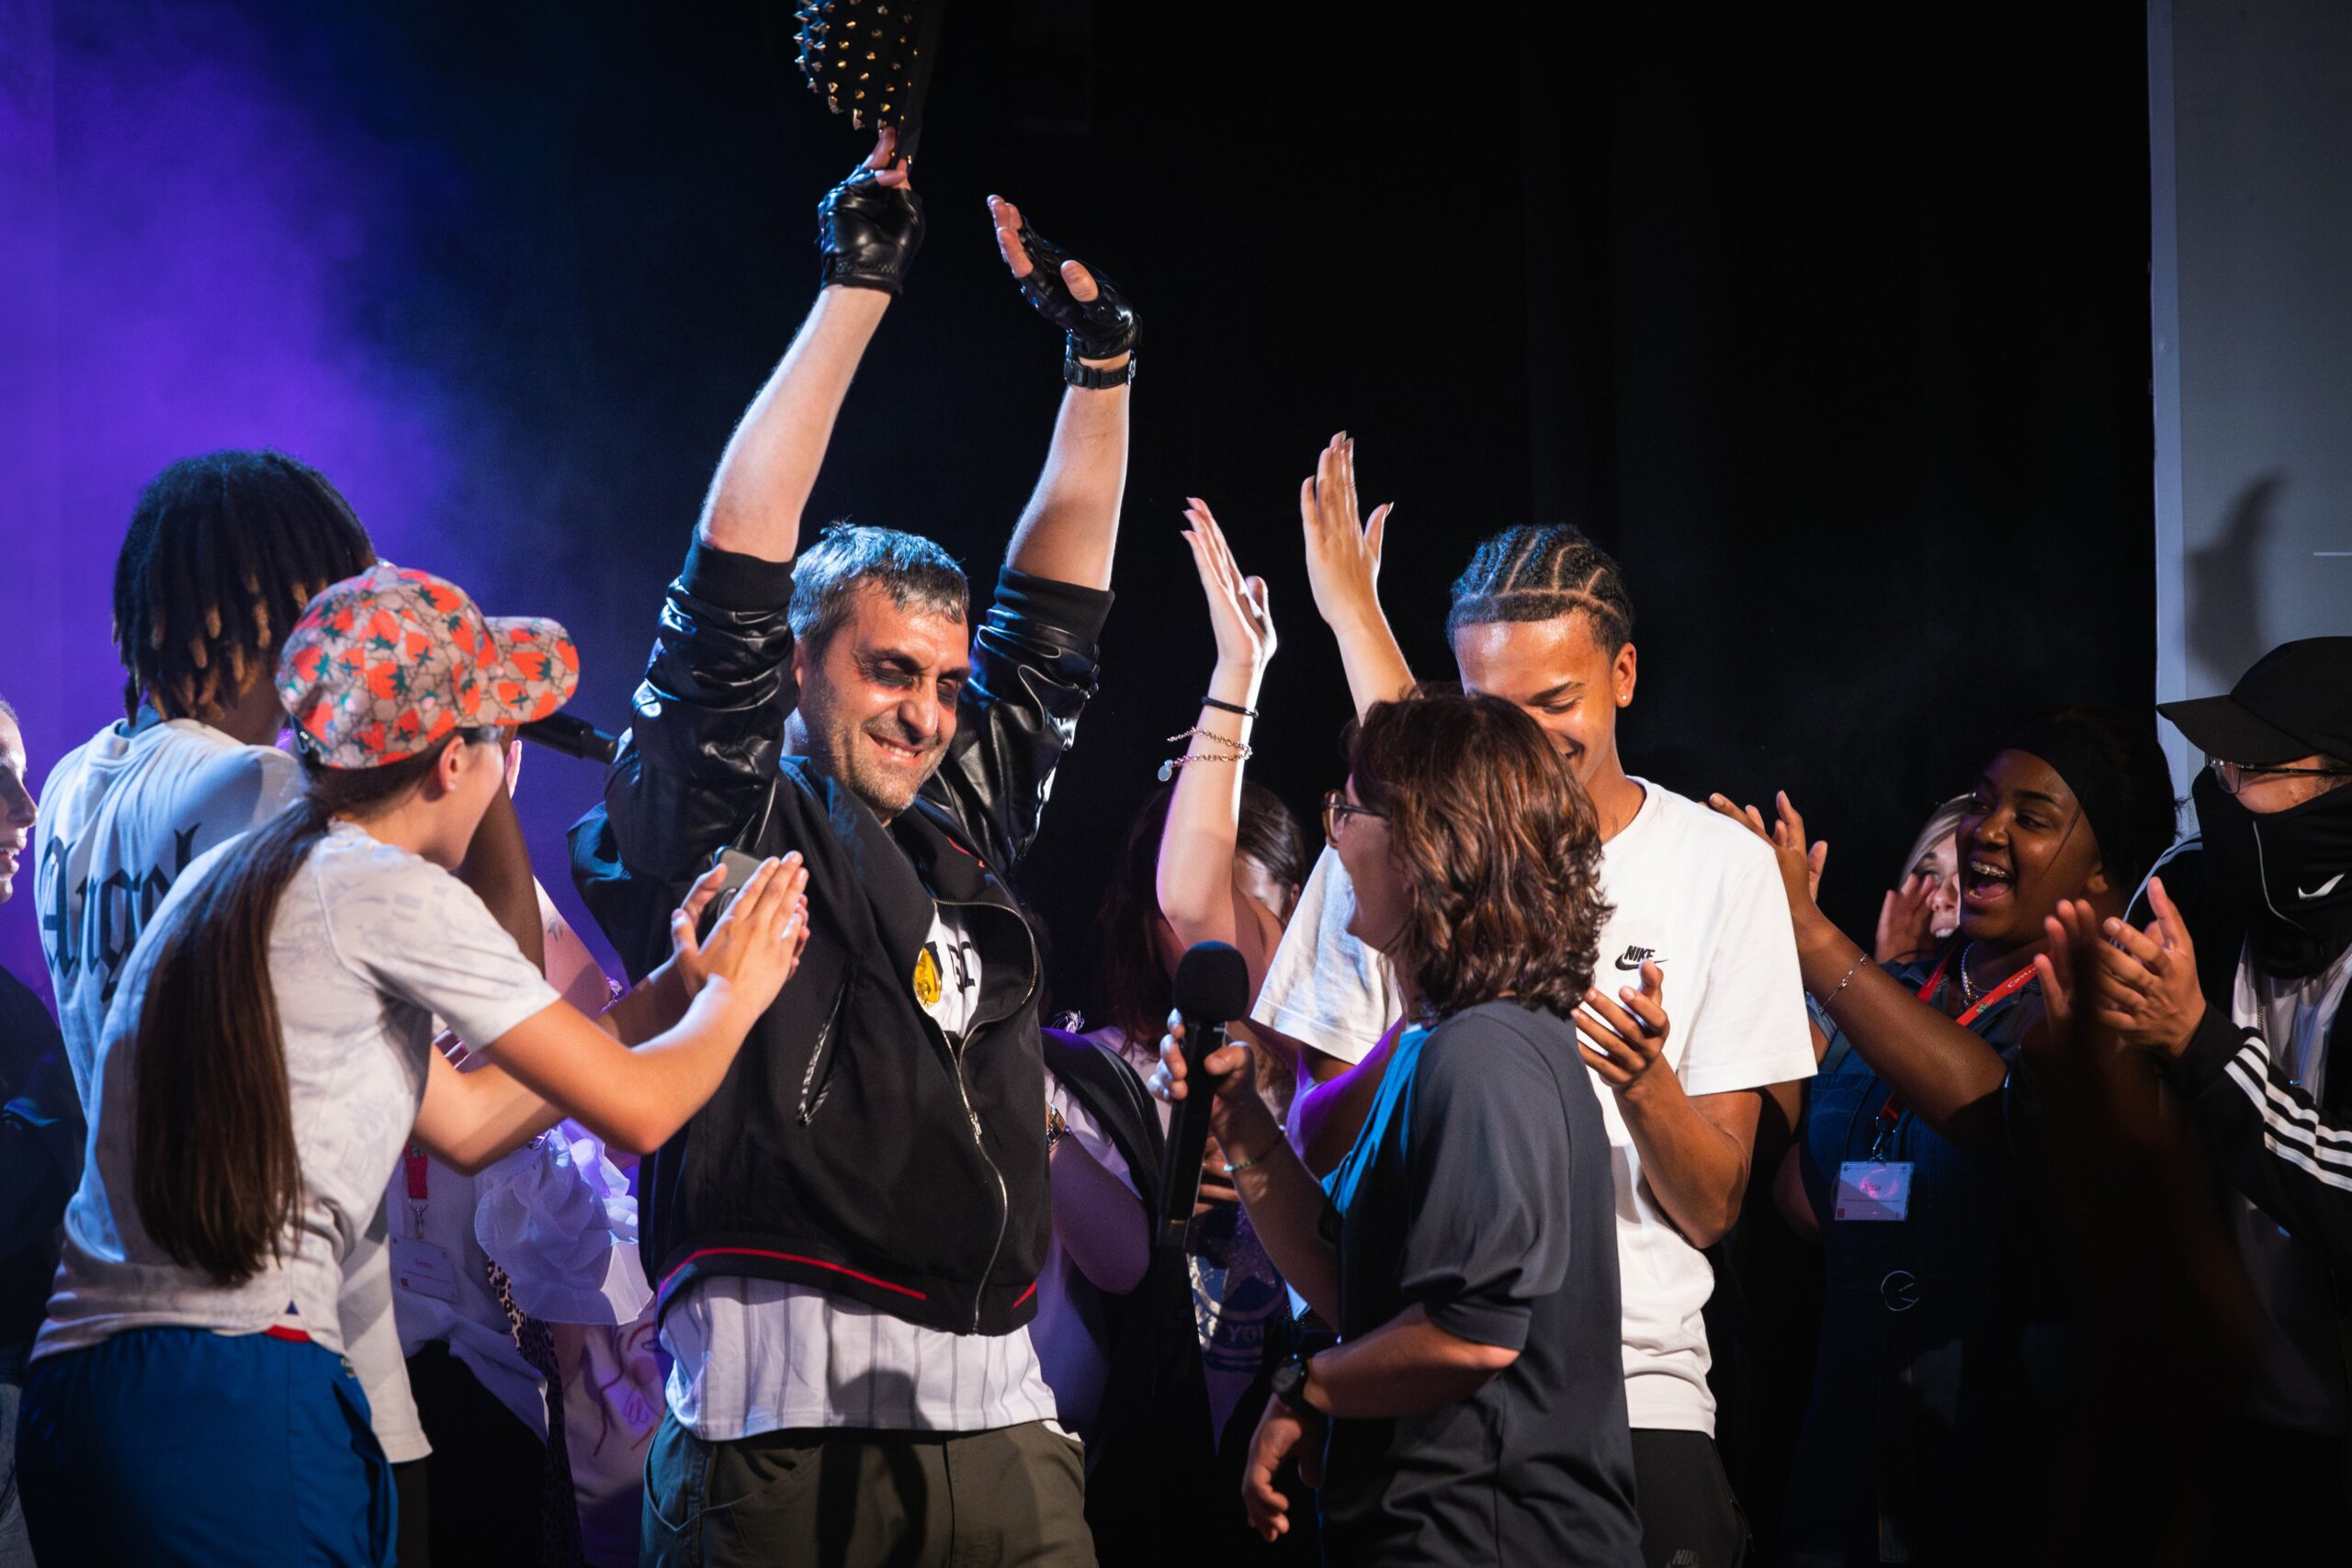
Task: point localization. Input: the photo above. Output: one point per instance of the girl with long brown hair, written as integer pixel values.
(268, 1057)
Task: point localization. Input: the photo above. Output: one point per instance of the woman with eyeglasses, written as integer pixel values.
(1465, 1250)
(1944, 1349)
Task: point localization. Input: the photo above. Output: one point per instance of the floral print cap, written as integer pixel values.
(384, 665)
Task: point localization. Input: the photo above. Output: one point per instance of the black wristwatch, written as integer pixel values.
(1289, 1384)
(1093, 379)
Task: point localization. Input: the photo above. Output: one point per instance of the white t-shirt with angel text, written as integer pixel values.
(1701, 897)
(121, 819)
(370, 944)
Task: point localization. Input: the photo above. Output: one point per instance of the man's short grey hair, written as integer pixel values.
(915, 573)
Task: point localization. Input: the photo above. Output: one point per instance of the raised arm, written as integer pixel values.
(1068, 529)
(1344, 570)
(1198, 895)
(869, 229)
(1950, 1076)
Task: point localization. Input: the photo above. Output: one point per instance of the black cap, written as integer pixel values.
(2296, 700)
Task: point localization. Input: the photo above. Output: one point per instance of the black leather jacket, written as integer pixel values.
(849, 1147)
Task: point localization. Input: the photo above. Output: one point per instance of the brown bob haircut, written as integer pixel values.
(1497, 846)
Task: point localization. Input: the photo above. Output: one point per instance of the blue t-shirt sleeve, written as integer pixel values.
(1487, 1171)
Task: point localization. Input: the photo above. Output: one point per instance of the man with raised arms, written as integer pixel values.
(846, 1240)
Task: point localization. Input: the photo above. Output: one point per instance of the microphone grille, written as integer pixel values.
(1212, 983)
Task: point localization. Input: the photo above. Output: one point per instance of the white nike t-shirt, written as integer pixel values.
(1701, 896)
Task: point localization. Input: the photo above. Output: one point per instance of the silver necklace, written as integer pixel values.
(1968, 992)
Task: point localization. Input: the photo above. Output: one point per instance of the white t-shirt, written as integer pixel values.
(949, 960)
(370, 944)
(1324, 987)
(557, 1216)
(121, 818)
(1701, 896)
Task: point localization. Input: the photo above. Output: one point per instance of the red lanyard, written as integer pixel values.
(1891, 1111)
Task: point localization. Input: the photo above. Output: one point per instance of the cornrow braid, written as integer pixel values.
(224, 552)
(1541, 572)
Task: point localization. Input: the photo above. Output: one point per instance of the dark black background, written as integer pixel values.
(1834, 330)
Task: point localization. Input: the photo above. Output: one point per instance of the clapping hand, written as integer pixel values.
(1906, 920)
(2143, 984)
(1801, 864)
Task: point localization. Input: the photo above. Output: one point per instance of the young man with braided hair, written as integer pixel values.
(1541, 619)
(846, 1241)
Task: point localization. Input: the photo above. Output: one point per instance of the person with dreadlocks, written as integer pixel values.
(1541, 619)
(224, 552)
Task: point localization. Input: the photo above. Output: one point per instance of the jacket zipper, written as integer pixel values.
(817, 1056)
(963, 1091)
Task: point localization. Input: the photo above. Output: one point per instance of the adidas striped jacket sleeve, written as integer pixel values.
(2267, 1136)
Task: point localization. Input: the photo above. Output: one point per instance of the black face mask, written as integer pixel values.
(2288, 872)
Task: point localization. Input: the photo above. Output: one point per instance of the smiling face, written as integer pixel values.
(878, 697)
(1940, 866)
(16, 806)
(1362, 843)
(1559, 675)
(2023, 845)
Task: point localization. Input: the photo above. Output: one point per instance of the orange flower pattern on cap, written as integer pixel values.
(384, 665)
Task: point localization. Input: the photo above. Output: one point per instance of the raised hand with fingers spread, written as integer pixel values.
(1343, 571)
(1099, 325)
(1801, 864)
(1237, 611)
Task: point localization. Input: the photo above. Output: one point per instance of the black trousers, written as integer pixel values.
(485, 1471)
(1690, 1518)
(2278, 1496)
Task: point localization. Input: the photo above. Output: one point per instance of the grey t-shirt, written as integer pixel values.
(1480, 1189)
(370, 944)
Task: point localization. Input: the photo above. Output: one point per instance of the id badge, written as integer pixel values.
(1873, 1189)
(423, 1267)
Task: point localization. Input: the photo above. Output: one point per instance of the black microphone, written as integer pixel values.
(1211, 990)
(572, 736)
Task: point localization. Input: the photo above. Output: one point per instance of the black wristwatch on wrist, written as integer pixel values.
(1289, 1383)
(1094, 378)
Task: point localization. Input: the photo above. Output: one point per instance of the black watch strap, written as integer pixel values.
(1094, 379)
(1288, 1384)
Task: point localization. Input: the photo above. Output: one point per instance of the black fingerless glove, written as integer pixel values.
(1098, 328)
(867, 233)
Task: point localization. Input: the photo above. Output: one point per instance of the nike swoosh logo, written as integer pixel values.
(2322, 891)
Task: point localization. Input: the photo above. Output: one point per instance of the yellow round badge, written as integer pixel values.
(926, 978)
